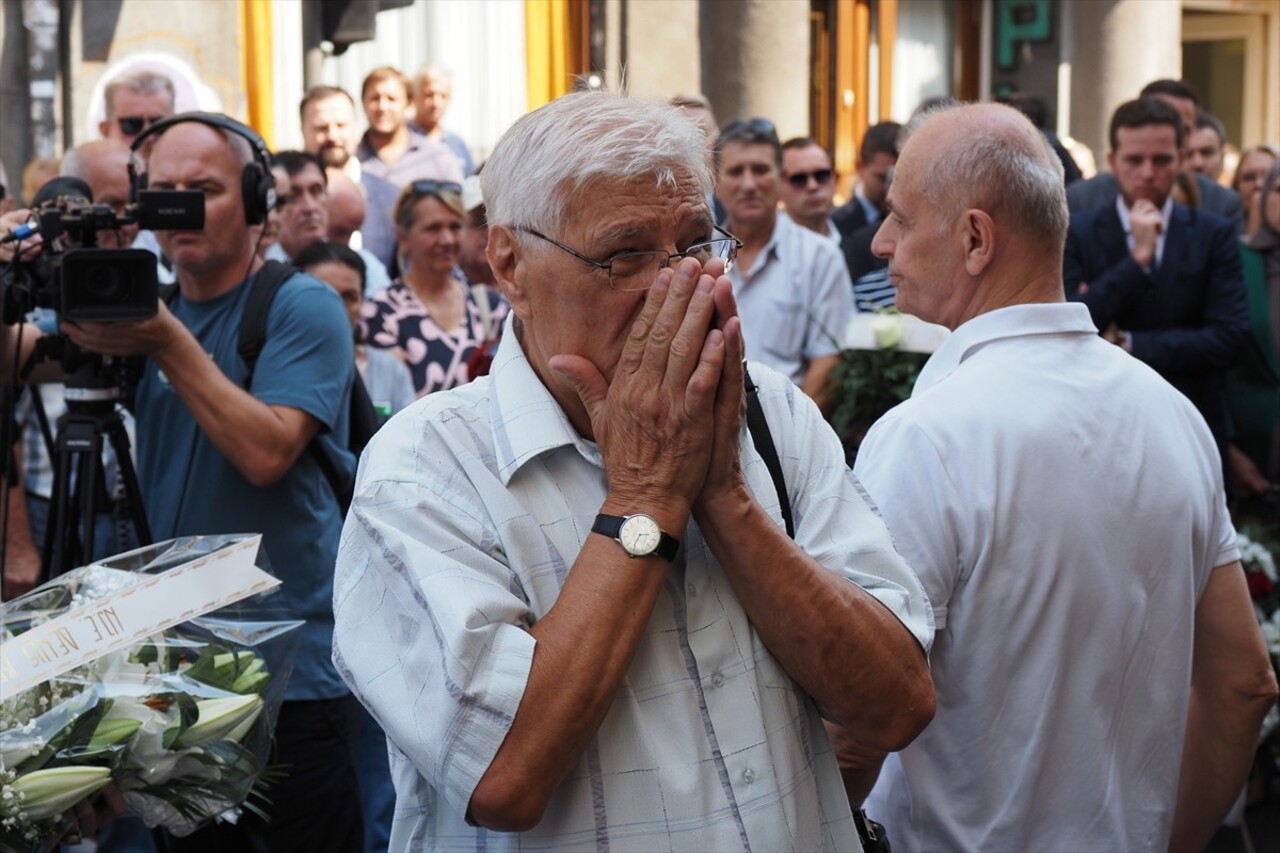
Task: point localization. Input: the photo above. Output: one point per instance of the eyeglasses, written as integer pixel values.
(636, 270)
(432, 187)
(133, 125)
(800, 180)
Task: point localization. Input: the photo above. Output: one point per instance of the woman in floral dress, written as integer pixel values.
(430, 314)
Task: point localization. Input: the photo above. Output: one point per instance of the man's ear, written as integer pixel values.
(503, 252)
(978, 233)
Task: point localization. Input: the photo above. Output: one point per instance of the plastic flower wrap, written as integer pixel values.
(881, 354)
(160, 671)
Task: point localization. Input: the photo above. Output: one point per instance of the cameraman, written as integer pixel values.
(103, 165)
(216, 458)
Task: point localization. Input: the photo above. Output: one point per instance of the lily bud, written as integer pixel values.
(50, 792)
(219, 718)
(112, 731)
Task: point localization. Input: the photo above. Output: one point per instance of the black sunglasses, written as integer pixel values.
(133, 125)
(800, 180)
(432, 187)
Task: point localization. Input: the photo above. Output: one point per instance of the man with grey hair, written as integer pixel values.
(133, 103)
(432, 92)
(792, 287)
(1100, 675)
(565, 590)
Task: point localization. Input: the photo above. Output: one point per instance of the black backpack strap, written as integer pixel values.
(758, 426)
(361, 426)
(249, 343)
(253, 322)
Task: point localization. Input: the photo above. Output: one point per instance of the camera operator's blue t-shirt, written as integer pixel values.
(189, 487)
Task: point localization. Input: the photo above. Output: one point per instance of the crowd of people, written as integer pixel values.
(610, 582)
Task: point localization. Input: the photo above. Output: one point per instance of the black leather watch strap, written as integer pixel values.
(611, 526)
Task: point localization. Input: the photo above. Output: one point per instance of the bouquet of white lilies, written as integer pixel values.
(145, 672)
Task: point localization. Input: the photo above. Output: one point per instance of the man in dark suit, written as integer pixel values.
(876, 156)
(1101, 189)
(1161, 280)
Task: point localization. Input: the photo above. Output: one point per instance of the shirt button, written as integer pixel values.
(693, 591)
(717, 680)
(748, 775)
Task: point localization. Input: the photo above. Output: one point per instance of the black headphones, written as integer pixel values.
(257, 184)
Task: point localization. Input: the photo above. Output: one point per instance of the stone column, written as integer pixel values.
(661, 53)
(755, 61)
(1114, 48)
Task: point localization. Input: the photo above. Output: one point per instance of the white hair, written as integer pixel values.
(1015, 176)
(551, 154)
(435, 72)
(140, 83)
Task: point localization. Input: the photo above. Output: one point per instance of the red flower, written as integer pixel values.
(1260, 586)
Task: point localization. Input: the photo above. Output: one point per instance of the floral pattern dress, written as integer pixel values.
(438, 360)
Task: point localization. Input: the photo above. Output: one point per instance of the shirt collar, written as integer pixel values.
(833, 233)
(1165, 213)
(527, 421)
(364, 151)
(1014, 321)
(771, 249)
(872, 212)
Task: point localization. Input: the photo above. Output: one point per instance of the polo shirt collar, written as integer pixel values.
(1014, 321)
(526, 420)
(364, 151)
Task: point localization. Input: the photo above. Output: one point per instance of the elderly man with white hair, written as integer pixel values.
(566, 591)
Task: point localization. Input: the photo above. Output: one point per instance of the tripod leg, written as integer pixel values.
(119, 439)
(59, 534)
(88, 486)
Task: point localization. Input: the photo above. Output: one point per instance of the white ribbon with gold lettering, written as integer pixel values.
(119, 620)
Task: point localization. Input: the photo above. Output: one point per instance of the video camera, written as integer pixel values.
(78, 279)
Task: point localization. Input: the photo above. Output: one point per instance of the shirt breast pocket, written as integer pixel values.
(784, 331)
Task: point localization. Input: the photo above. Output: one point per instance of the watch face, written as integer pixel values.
(640, 535)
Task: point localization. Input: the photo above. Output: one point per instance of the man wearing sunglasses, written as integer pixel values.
(792, 287)
(134, 102)
(809, 186)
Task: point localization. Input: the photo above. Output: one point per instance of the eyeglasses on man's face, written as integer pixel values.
(637, 270)
(800, 180)
(133, 125)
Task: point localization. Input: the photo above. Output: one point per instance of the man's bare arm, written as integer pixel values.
(261, 440)
(816, 378)
(1232, 687)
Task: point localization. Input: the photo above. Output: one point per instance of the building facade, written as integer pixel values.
(824, 68)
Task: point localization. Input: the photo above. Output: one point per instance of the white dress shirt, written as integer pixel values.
(1063, 506)
(470, 509)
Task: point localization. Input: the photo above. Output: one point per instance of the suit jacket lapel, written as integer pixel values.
(1110, 236)
(1177, 245)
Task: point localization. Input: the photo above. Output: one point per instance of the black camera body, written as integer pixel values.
(85, 283)
(102, 285)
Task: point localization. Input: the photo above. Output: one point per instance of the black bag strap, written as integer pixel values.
(253, 321)
(758, 426)
(249, 343)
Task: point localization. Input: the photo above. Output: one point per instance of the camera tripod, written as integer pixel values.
(79, 483)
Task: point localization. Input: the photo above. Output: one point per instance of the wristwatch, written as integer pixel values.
(639, 535)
